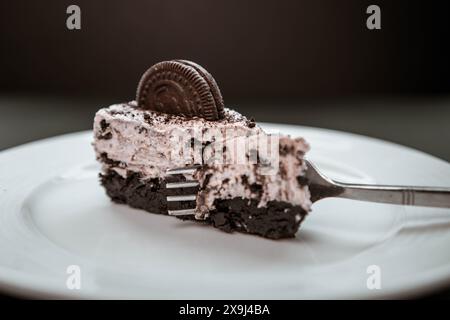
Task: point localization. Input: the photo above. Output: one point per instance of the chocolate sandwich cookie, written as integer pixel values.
(180, 87)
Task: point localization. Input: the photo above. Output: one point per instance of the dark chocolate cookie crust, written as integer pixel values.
(275, 221)
(149, 195)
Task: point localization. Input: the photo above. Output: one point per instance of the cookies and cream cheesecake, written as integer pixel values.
(240, 178)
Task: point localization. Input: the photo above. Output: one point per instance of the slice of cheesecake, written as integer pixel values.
(239, 188)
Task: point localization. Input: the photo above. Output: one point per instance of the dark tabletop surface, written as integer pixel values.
(419, 123)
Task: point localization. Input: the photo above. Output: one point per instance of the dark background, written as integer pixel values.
(307, 62)
(256, 49)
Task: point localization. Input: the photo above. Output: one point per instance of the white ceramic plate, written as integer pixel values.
(54, 214)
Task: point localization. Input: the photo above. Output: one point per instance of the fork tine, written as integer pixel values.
(183, 212)
(182, 170)
(191, 197)
(183, 184)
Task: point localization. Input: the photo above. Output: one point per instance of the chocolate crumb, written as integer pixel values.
(206, 181)
(105, 159)
(105, 132)
(285, 150)
(104, 125)
(256, 188)
(142, 129)
(147, 118)
(302, 181)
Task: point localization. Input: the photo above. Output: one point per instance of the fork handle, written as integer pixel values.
(404, 195)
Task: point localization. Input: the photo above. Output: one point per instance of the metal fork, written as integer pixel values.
(180, 185)
(321, 187)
